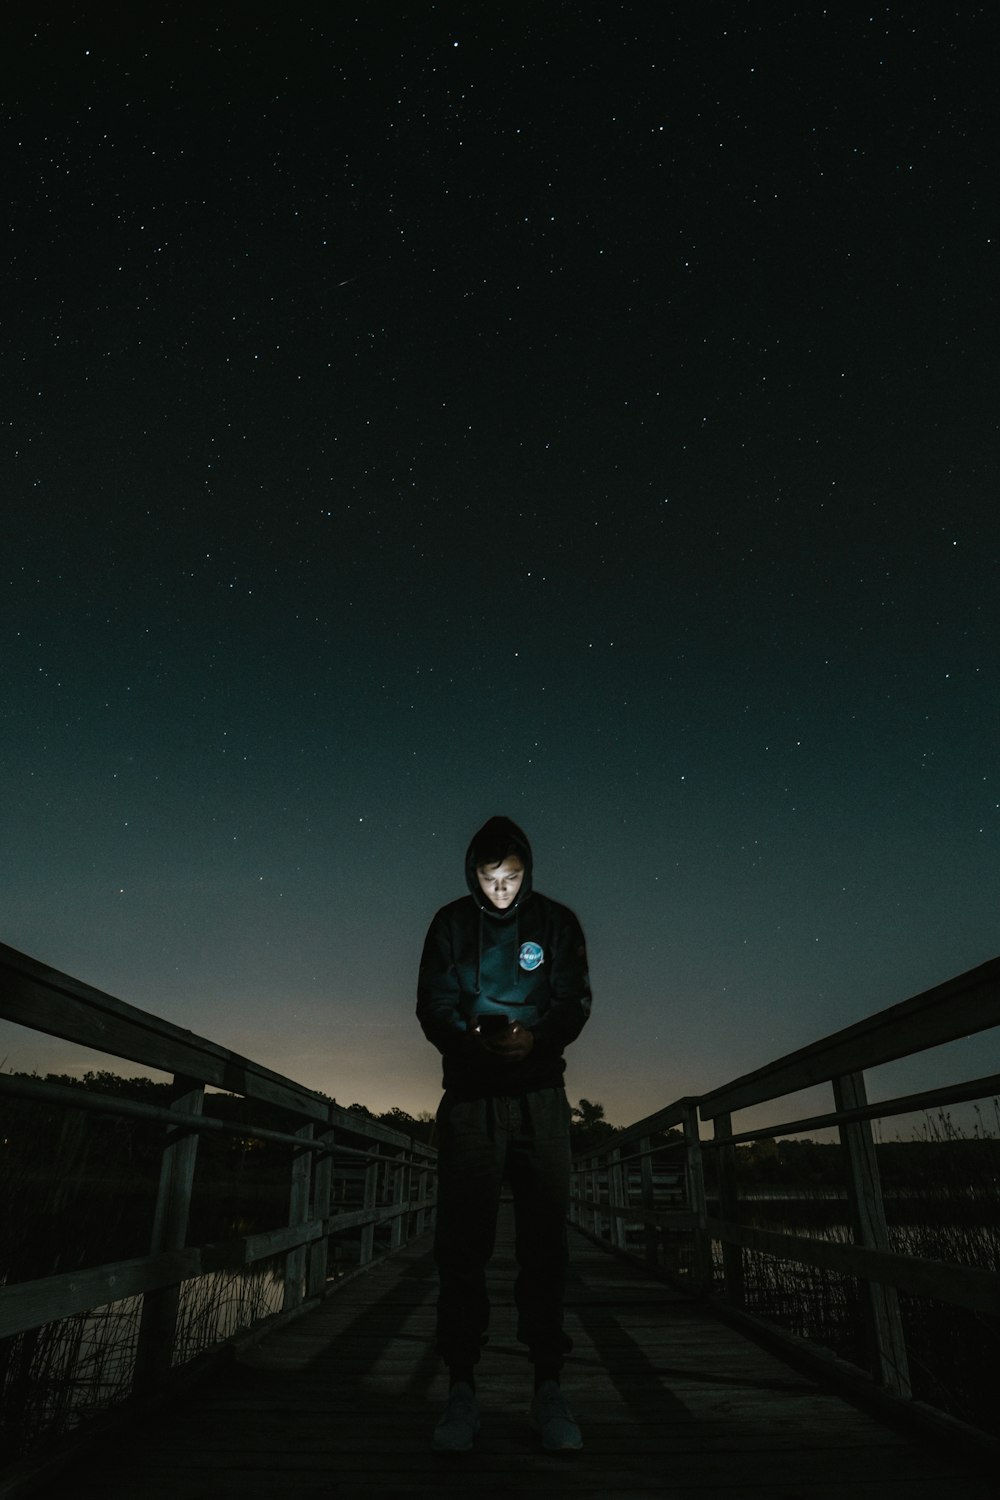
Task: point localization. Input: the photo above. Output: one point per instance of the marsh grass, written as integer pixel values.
(942, 1195)
(79, 1190)
(55, 1376)
(59, 1375)
(810, 1301)
(214, 1308)
(951, 1212)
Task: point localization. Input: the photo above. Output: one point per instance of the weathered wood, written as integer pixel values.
(729, 1207)
(298, 1214)
(318, 1253)
(379, 1213)
(30, 1304)
(596, 1215)
(664, 1218)
(701, 1265)
(967, 1004)
(400, 1195)
(49, 1001)
(45, 1000)
(356, 1124)
(370, 1199)
(423, 1205)
(245, 1251)
(650, 1238)
(91, 1102)
(864, 1187)
(341, 1404)
(884, 1109)
(965, 1286)
(158, 1322)
(618, 1209)
(663, 1120)
(960, 1007)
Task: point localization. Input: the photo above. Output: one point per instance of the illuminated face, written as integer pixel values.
(501, 883)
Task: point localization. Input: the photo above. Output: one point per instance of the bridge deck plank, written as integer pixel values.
(341, 1404)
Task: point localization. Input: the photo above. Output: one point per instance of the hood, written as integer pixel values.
(499, 836)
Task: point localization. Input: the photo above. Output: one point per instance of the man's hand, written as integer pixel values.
(513, 1045)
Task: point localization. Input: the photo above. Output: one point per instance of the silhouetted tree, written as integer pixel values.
(588, 1126)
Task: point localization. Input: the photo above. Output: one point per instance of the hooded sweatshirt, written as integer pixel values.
(528, 962)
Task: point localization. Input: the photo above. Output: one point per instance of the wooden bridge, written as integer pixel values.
(678, 1389)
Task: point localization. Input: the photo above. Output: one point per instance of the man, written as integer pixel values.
(503, 988)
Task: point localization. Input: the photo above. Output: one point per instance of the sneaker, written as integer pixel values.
(459, 1422)
(553, 1421)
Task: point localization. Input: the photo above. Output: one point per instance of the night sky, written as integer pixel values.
(553, 410)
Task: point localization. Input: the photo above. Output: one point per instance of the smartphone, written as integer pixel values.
(491, 1025)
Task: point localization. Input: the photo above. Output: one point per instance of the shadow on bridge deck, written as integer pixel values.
(341, 1403)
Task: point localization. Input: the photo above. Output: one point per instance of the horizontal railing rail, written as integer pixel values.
(884, 1109)
(351, 1176)
(43, 999)
(334, 1156)
(960, 1007)
(24, 1086)
(614, 1194)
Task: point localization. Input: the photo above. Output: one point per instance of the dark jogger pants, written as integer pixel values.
(524, 1138)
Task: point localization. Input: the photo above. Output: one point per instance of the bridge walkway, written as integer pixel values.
(341, 1402)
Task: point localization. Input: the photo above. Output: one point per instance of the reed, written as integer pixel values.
(942, 1194)
(83, 1188)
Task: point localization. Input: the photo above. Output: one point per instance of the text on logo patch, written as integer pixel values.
(530, 955)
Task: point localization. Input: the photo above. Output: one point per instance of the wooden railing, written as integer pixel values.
(615, 1187)
(649, 1176)
(392, 1176)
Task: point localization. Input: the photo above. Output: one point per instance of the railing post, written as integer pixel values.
(864, 1186)
(158, 1322)
(616, 1200)
(400, 1194)
(319, 1250)
(423, 1183)
(582, 1195)
(370, 1198)
(430, 1193)
(701, 1267)
(298, 1213)
(650, 1232)
(729, 1209)
(596, 1222)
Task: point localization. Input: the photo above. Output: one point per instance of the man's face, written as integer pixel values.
(501, 883)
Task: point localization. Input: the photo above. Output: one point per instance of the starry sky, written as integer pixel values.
(565, 411)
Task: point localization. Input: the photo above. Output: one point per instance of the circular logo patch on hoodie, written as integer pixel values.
(530, 955)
